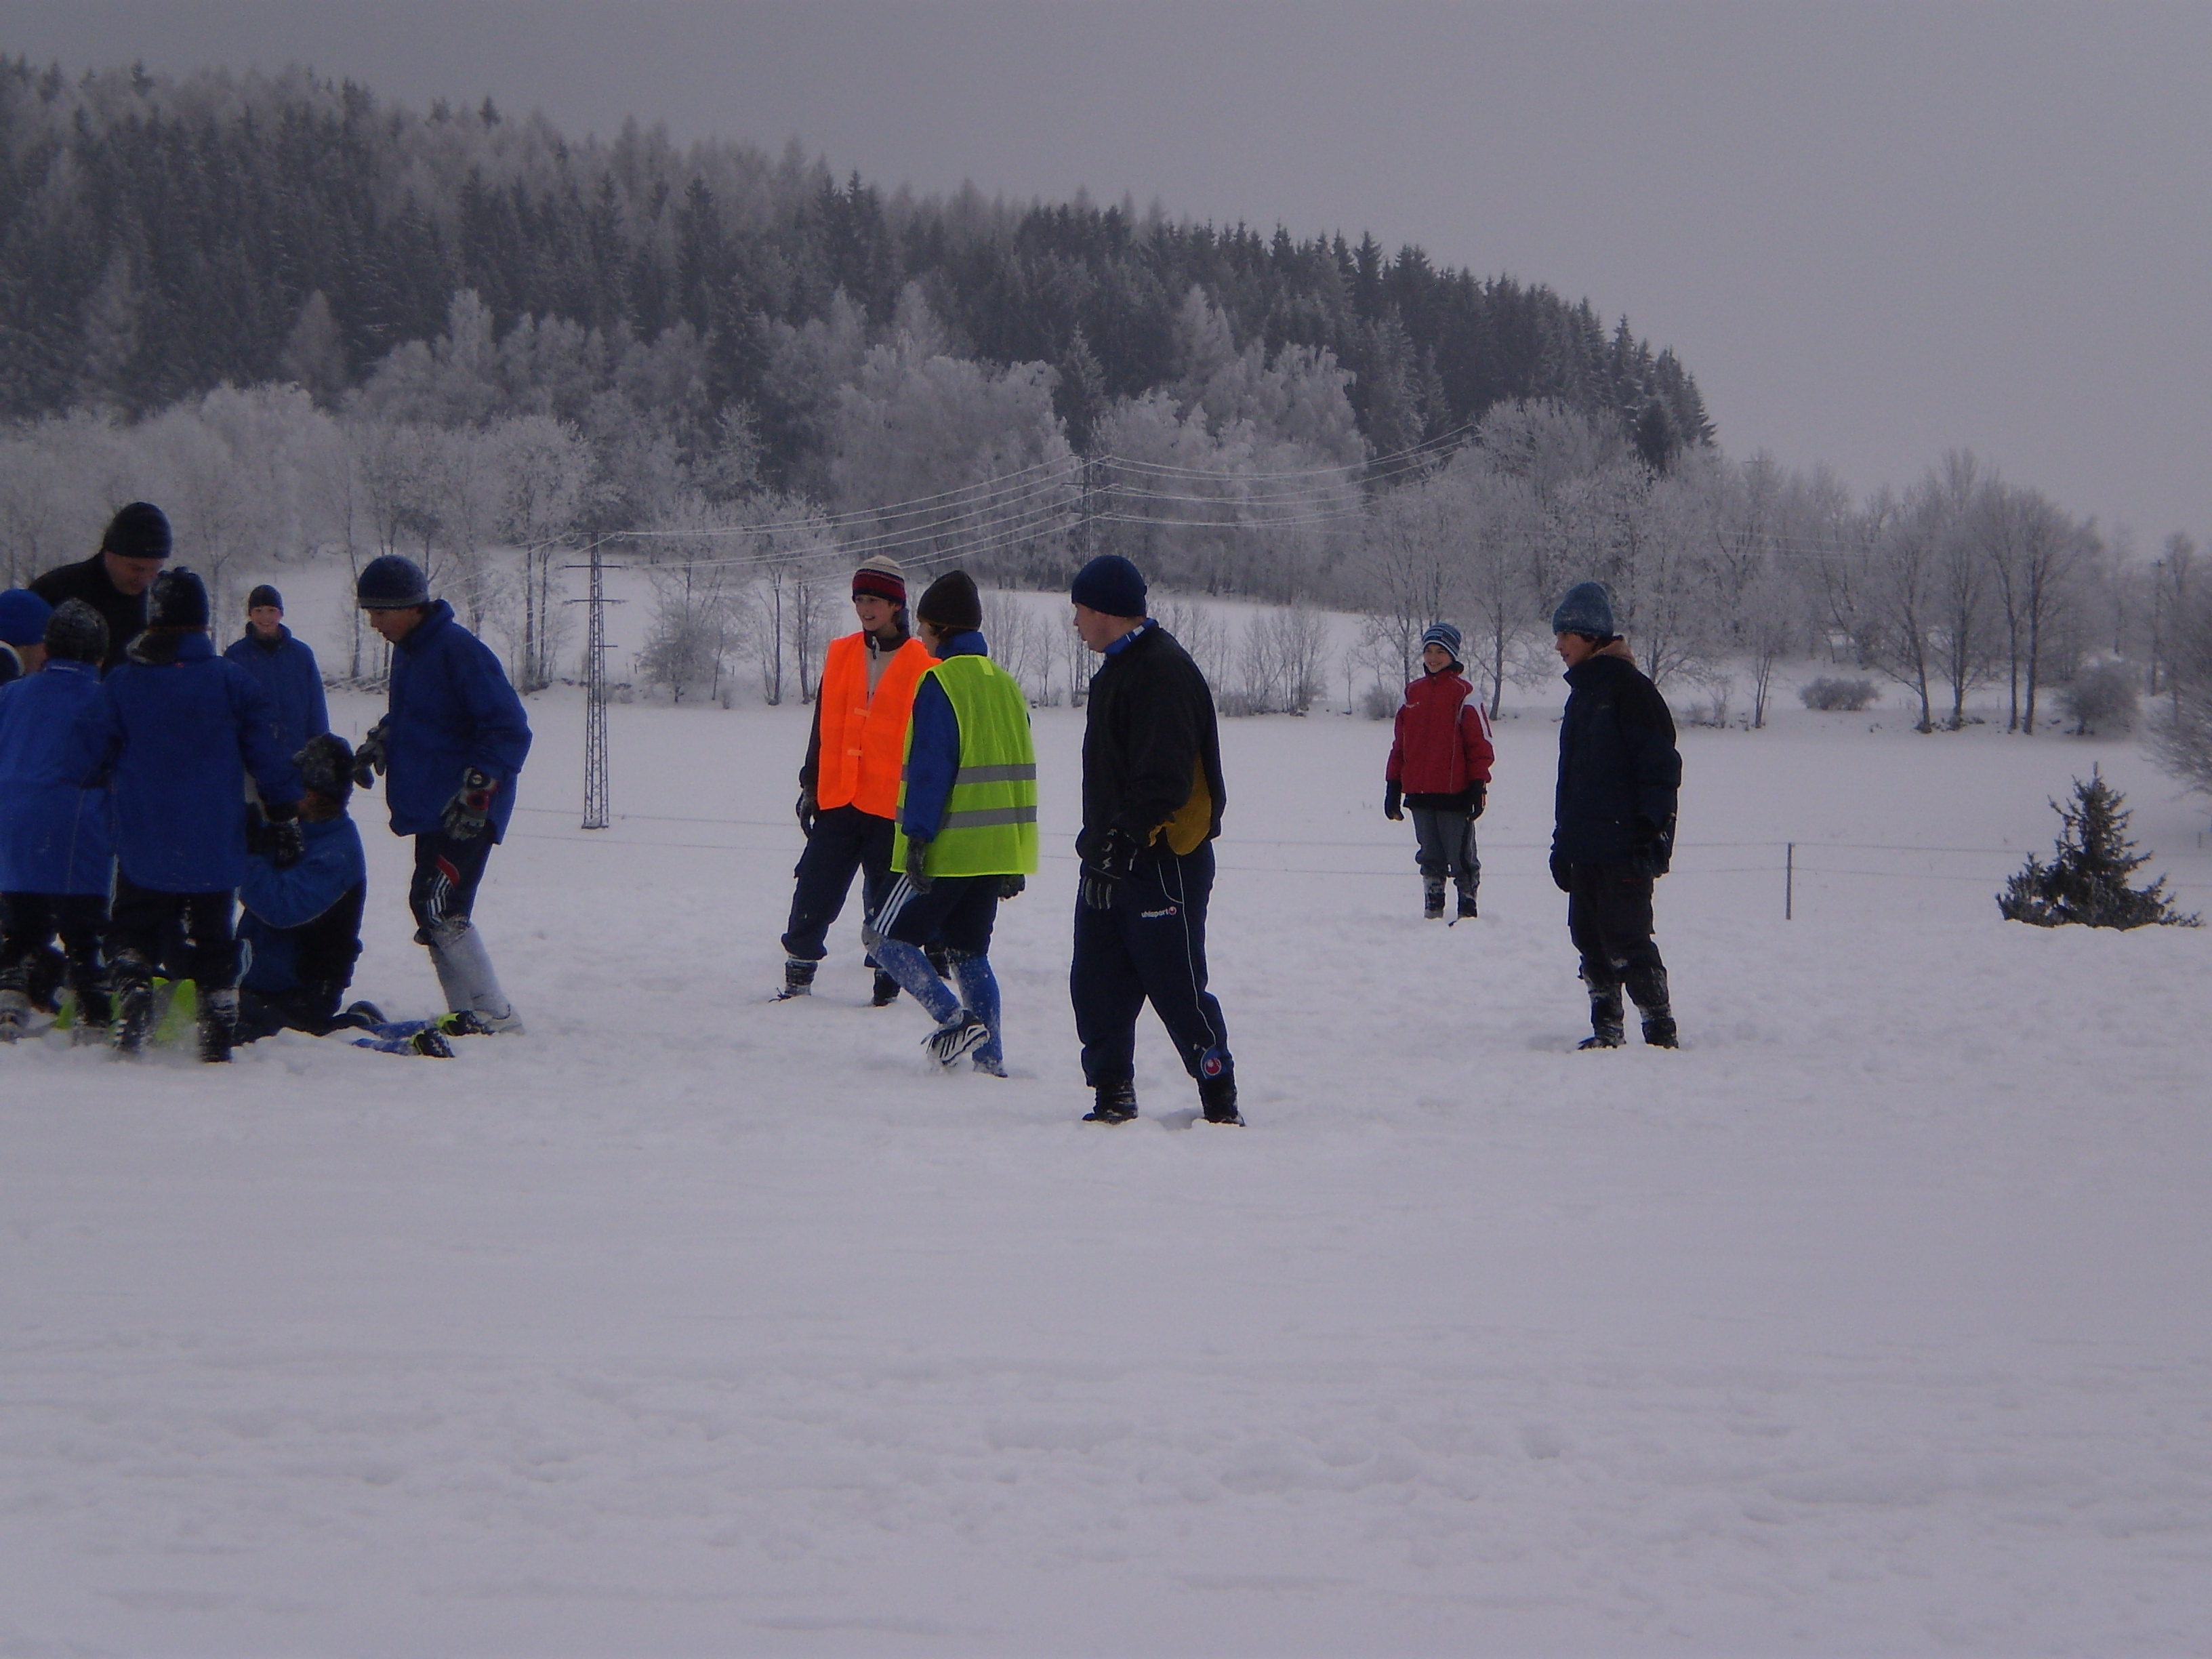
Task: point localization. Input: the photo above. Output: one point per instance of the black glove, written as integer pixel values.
(1561, 870)
(1105, 870)
(1394, 807)
(470, 810)
(917, 866)
(1481, 800)
(1653, 849)
(370, 756)
(283, 844)
(1013, 886)
(806, 810)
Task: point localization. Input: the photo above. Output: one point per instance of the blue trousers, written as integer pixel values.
(1149, 947)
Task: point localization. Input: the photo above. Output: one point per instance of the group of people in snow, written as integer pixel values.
(149, 785)
(1613, 831)
(921, 777)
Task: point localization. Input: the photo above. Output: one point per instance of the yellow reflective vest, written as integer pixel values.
(990, 827)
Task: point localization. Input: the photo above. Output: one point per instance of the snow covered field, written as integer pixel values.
(1877, 1320)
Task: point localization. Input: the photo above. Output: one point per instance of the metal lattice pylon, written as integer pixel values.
(595, 702)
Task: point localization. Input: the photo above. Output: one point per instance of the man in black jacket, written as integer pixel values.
(1614, 831)
(1153, 797)
(114, 581)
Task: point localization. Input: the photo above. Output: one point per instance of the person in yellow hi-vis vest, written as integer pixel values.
(848, 786)
(967, 833)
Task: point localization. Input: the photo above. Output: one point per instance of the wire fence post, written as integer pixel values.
(595, 702)
(1789, 881)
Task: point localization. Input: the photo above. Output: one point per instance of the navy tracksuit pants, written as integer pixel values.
(1151, 945)
(845, 840)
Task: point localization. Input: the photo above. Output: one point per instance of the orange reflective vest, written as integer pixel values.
(864, 742)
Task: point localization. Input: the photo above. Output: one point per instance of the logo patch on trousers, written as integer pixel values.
(1154, 915)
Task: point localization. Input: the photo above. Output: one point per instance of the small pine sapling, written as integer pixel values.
(2086, 883)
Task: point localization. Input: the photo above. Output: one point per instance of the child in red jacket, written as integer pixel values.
(1440, 758)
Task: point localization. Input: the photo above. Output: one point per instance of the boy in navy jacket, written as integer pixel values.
(57, 844)
(178, 728)
(285, 668)
(450, 747)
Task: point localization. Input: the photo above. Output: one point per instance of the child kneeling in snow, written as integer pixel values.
(302, 924)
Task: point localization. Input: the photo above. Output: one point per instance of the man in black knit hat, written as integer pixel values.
(114, 582)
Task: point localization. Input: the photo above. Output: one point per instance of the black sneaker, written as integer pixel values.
(1116, 1102)
(961, 1034)
(1216, 1096)
(886, 991)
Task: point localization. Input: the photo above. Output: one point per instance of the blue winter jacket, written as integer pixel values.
(452, 709)
(55, 836)
(179, 733)
(286, 670)
(280, 903)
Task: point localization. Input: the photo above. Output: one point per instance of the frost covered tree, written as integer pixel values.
(2086, 883)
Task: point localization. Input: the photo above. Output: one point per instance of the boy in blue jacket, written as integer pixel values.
(301, 929)
(178, 728)
(57, 846)
(451, 746)
(285, 668)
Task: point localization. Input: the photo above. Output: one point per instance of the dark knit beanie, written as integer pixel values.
(882, 577)
(1587, 610)
(263, 595)
(390, 583)
(952, 604)
(326, 764)
(178, 600)
(77, 633)
(140, 531)
(1111, 585)
(23, 617)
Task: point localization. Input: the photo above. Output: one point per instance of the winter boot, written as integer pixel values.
(1216, 1097)
(134, 1002)
(1606, 1029)
(14, 1014)
(471, 988)
(885, 993)
(218, 1026)
(798, 979)
(1433, 899)
(1647, 988)
(1466, 904)
(1116, 1102)
(961, 1034)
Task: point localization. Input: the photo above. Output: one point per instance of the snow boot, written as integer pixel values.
(14, 1014)
(885, 992)
(1466, 905)
(1647, 988)
(1217, 1097)
(961, 1034)
(1116, 1102)
(134, 1002)
(1433, 899)
(798, 980)
(1606, 1029)
(471, 988)
(218, 1026)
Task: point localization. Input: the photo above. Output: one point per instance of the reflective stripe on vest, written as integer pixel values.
(863, 738)
(990, 827)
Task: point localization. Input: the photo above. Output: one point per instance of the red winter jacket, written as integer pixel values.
(1441, 747)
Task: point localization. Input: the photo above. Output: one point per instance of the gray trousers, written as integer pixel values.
(1445, 846)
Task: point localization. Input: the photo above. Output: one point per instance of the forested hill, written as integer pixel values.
(164, 236)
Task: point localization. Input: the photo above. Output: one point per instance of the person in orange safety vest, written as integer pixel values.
(848, 788)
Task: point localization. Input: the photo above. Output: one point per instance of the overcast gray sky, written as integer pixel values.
(1872, 231)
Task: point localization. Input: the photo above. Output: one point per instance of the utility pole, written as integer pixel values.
(595, 700)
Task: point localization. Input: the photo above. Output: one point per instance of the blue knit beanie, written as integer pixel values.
(23, 617)
(1109, 584)
(391, 583)
(1588, 609)
(1442, 634)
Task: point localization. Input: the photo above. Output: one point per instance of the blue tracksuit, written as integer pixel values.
(280, 904)
(286, 670)
(180, 736)
(450, 709)
(55, 836)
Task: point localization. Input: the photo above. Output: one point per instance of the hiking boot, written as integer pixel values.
(1217, 1097)
(1433, 899)
(961, 1034)
(798, 980)
(1116, 1102)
